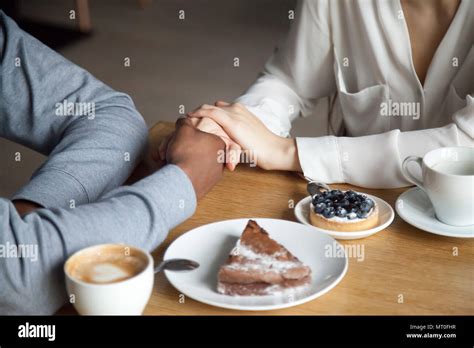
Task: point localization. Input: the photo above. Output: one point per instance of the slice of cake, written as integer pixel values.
(258, 265)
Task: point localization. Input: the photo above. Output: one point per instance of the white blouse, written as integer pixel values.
(358, 52)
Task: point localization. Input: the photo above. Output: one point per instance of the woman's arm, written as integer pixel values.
(368, 161)
(375, 160)
(268, 150)
(299, 72)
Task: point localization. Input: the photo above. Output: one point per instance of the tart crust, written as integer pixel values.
(347, 225)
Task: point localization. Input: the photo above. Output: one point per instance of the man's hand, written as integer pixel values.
(197, 154)
(24, 207)
(233, 150)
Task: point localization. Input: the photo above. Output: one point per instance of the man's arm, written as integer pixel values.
(141, 215)
(93, 135)
(24, 207)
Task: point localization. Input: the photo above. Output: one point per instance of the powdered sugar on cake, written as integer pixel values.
(262, 262)
(258, 265)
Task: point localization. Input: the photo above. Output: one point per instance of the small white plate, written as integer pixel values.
(211, 244)
(415, 208)
(386, 216)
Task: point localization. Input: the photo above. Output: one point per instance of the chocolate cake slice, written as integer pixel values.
(258, 265)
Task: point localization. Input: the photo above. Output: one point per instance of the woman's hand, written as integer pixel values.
(271, 151)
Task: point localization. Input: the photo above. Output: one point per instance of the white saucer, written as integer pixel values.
(414, 207)
(386, 216)
(211, 244)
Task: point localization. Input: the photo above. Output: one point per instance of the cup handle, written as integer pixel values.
(409, 176)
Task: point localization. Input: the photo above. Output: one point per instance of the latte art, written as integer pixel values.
(110, 265)
(109, 271)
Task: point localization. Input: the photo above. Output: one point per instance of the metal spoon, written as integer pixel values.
(314, 188)
(177, 265)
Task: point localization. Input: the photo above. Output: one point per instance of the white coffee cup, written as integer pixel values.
(109, 279)
(448, 180)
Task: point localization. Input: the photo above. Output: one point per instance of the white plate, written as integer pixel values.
(386, 216)
(211, 244)
(415, 208)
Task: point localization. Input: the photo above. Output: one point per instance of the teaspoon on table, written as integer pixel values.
(176, 265)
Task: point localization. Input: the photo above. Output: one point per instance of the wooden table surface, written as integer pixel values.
(404, 271)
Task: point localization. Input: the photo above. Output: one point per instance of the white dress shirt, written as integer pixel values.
(358, 53)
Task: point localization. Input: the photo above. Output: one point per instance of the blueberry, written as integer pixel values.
(318, 208)
(353, 199)
(318, 199)
(328, 213)
(351, 215)
(365, 207)
(352, 208)
(361, 214)
(350, 194)
(328, 202)
(344, 203)
(359, 199)
(341, 212)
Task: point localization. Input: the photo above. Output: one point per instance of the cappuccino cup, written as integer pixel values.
(109, 279)
(447, 177)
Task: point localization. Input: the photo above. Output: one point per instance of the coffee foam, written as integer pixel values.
(107, 272)
(106, 264)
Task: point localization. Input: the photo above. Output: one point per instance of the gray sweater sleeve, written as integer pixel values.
(88, 158)
(93, 136)
(32, 282)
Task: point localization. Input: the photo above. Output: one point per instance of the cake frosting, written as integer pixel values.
(256, 261)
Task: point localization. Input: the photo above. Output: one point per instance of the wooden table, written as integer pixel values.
(404, 271)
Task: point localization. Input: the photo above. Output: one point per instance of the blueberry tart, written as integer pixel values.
(346, 211)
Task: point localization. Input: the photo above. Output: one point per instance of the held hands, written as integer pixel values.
(207, 125)
(244, 129)
(196, 153)
(197, 141)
